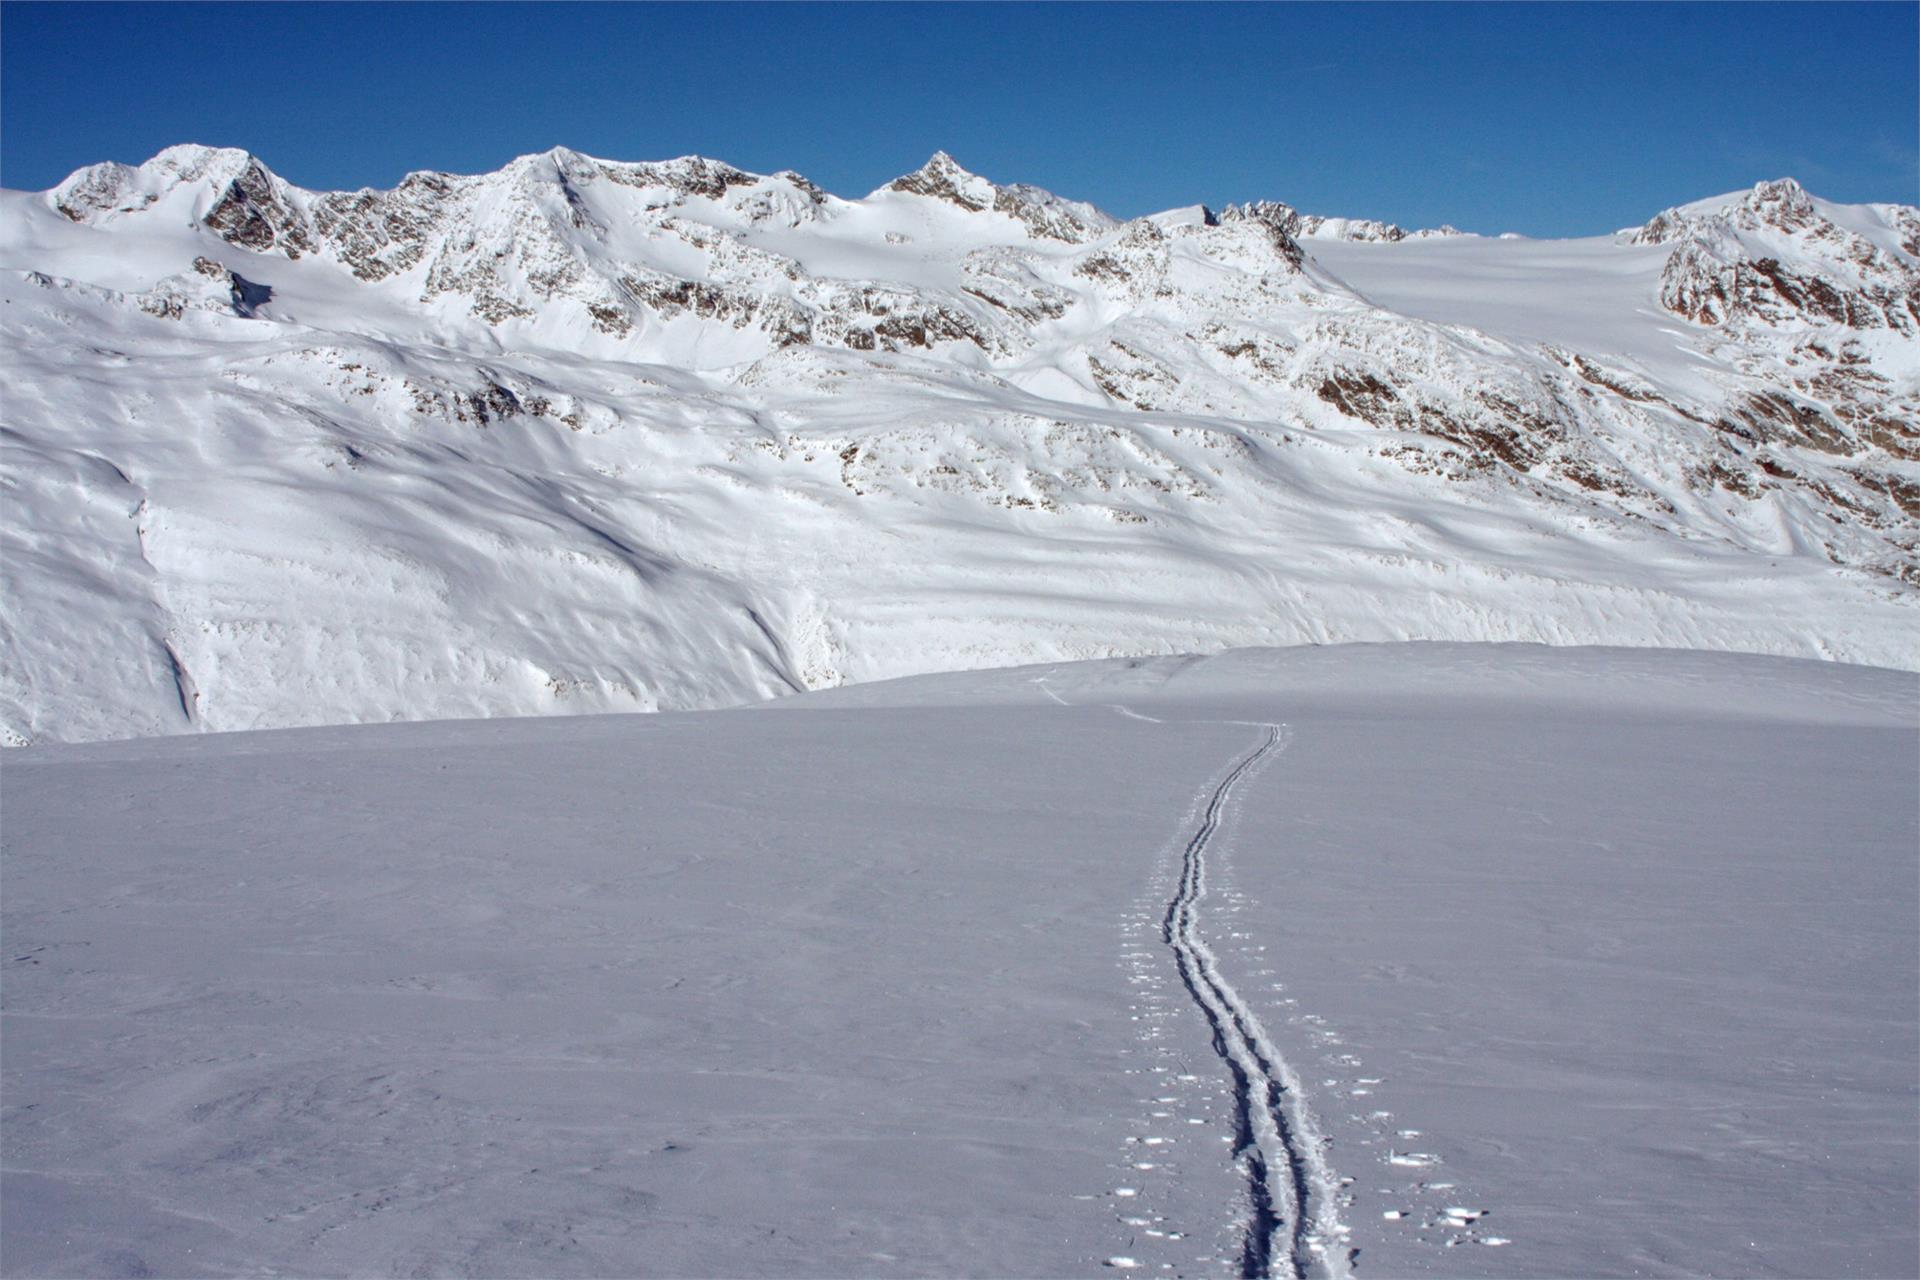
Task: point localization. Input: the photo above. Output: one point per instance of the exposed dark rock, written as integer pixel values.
(253, 214)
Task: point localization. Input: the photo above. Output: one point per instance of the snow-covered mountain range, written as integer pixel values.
(584, 436)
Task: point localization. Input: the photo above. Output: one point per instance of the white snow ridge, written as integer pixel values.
(1257, 744)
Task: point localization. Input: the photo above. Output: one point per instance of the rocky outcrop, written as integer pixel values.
(942, 178)
(254, 210)
(1771, 257)
(1706, 283)
(383, 233)
(1311, 226)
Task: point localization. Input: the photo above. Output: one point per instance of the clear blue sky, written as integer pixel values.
(1559, 119)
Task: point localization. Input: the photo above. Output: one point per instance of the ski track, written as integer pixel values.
(1294, 1229)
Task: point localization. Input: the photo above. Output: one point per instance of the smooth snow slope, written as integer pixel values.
(1591, 295)
(1581, 961)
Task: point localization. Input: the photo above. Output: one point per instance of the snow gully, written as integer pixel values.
(1293, 1228)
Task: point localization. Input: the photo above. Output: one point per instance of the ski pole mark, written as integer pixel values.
(1044, 688)
(1294, 1229)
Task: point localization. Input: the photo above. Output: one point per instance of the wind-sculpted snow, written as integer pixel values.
(1515, 961)
(583, 435)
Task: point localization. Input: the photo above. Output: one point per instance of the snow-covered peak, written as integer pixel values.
(1781, 210)
(611, 191)
(1044, 214)
(192, 162)
(1273, 212)
(1779, 205)
(1776, 254)
(943, 178)
(226, 190)
(99, 188)
(678, 179)
(1782, 203)
(110, 188)
(563, 163)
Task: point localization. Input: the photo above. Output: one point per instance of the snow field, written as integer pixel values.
(1576, 961)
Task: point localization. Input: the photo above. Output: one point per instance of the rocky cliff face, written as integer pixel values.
(719, 425)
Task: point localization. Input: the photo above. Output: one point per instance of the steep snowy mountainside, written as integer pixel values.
(585, 435)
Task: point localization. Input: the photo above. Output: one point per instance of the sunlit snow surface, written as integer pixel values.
(1584, 961)
(494, 479)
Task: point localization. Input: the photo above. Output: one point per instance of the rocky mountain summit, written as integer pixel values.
(1045, 215)
(1771, 257)
(584, 435)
